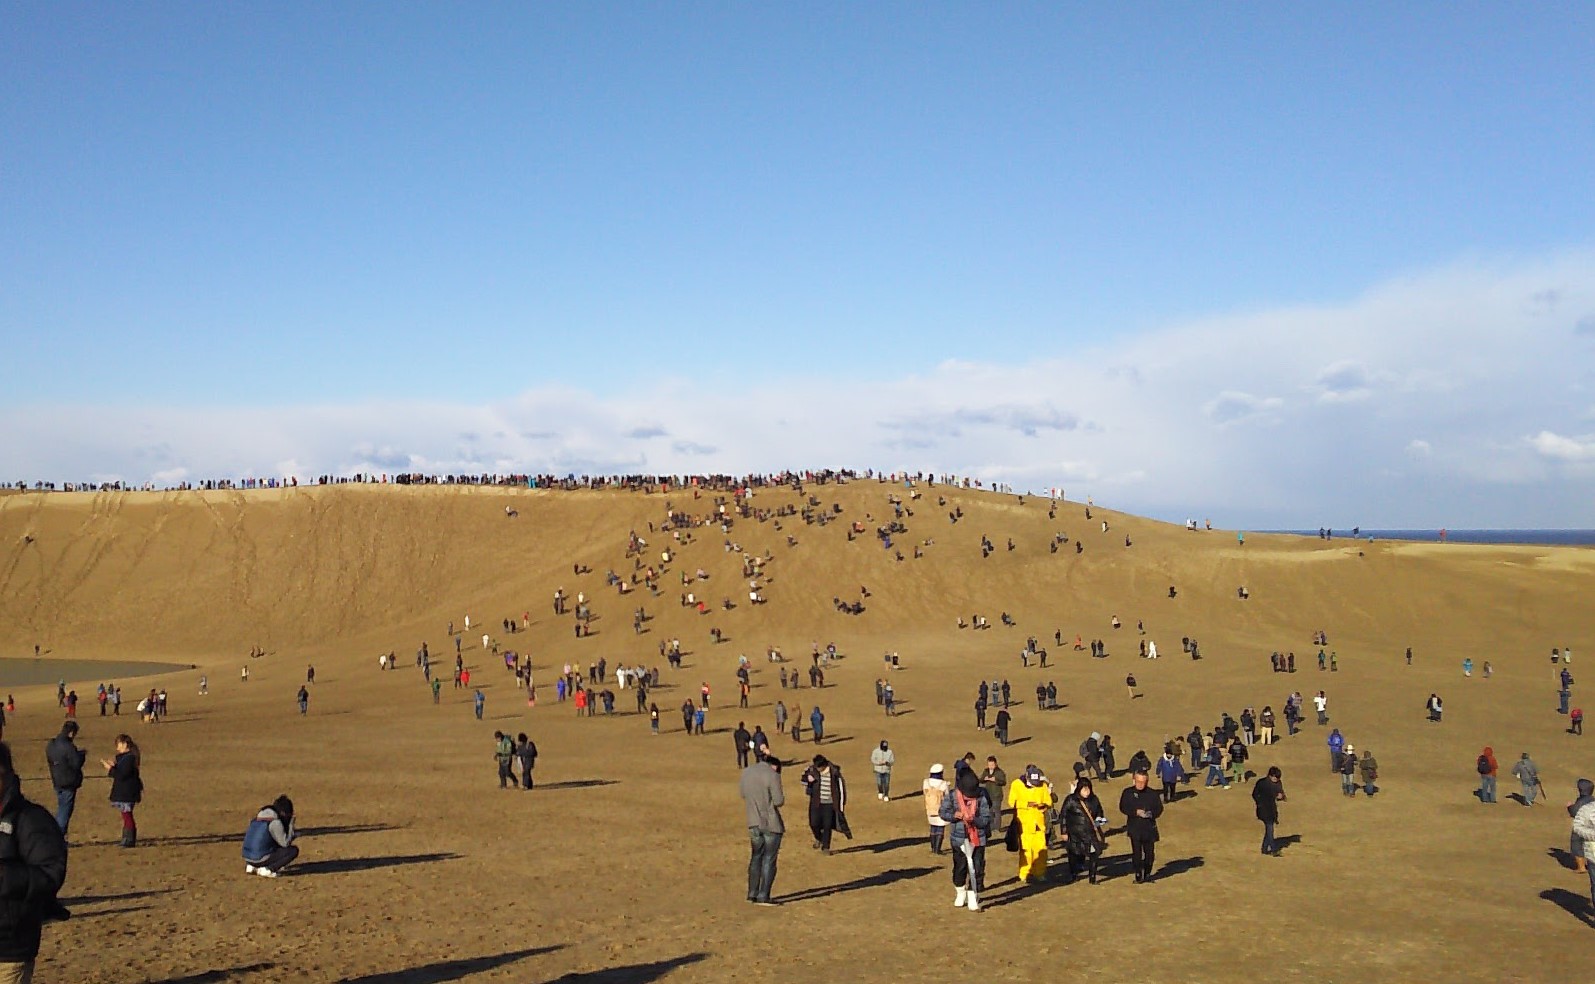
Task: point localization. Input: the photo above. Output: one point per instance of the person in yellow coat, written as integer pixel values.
(1030, 797)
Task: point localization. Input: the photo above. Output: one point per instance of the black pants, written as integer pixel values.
(1143, 854)
(822, 820)
(526, 776)
(506, 777)
(1168, 792)
(742, 757)
(966, 875)
(1083, 862)
(279, 858)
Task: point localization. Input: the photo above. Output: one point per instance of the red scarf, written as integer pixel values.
(967, 809)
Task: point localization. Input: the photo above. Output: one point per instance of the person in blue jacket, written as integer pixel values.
(1170, 773)
(269, 839)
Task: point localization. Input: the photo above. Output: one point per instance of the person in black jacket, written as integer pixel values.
(1083, 821)
(1268, 793)
(32, 870)
(1141, 808)
(66, 772)
(526, 751)
(127, 788)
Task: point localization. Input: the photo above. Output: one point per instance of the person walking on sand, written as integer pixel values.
(480, 701)
(1267, 794)
(881, 760)
(1129, 683)
(304, 700)
(1082, 821)
(827, 800)
(935, 790)
(760, 787)
(1031, 799)
(968, 812)
(1584, 829)
(1488, 768)
(1576, 846)
(1528, 774)
(1141, 808)
(127, 786)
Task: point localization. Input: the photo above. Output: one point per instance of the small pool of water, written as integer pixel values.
(27, 672)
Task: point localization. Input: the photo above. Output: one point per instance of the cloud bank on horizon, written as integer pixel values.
(1459, 397)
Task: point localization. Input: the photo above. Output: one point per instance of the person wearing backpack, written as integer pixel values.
(1487, 767)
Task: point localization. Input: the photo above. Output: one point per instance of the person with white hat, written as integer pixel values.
(935, 789)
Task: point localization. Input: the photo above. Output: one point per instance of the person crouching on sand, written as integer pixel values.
(269, 839)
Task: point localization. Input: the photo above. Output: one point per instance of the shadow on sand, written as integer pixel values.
(869, 881)
(190, 840)
(217, 976)
(576, 783)
(337, 866)
(449, 970)
(644, 973)
(1572, 903)
(883, 846)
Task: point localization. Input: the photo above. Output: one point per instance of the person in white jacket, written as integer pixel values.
(1584, 827)
(935, 789)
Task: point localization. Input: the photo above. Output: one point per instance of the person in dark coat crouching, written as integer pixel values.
(32, 870)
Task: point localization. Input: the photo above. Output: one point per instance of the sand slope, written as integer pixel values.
(420, 869)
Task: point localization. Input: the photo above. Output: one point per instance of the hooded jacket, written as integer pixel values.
(66, 761)
(32, 869)
(968, 813)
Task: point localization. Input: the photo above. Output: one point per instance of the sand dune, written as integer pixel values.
(632, 856)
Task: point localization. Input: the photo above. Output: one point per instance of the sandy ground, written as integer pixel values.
(627, 864)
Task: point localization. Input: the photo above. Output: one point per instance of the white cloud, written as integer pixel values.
(1574, 449)
(1286, 417)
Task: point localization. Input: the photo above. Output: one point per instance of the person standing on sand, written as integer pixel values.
(935, 790)
(35, 869)
(817, 724)
(1267, 794)
(127, 786)
(1004, 719)
(481, 702)
(743, 740)
(65, 759)
(304, 700)
(995, 782)
(760, 787)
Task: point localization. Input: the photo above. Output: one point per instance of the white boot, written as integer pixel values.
(974, 902)
(958, 900)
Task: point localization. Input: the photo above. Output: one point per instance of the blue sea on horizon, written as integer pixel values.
(1566, 538)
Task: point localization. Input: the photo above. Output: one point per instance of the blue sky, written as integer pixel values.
(383, 214)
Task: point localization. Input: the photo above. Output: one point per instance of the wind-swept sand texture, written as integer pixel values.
(628, 863)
